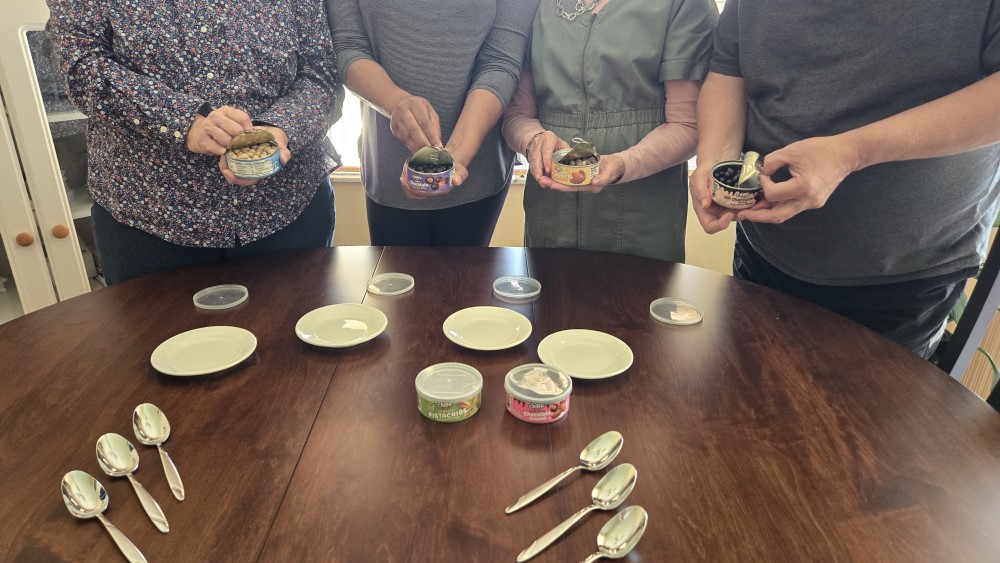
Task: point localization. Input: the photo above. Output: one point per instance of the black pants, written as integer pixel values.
(469, 224)
(912, 313)
(127, 253)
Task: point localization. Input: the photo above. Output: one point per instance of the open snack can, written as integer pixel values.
(253, 155)
(537, 393)
(430, 171)
(576, 166)
(736, 183)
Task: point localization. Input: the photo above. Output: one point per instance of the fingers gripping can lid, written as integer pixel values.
(251, 137)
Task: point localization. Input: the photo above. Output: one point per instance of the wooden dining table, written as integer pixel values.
(772, 430)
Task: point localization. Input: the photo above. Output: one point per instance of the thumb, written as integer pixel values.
(286, 155)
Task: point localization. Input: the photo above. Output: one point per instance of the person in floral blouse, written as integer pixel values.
(165, 87)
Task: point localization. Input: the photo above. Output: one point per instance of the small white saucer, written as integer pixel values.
(203, 350)
(487, 328)
(585, 354)
(340, 326)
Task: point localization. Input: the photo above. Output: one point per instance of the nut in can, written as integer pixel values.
(430, 171)
(253, 155)
(735, 183)
(574, 172)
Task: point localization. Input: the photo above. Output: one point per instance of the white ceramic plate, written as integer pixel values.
(203, 350)
(341, 325)
(487, 328)
(585, 354)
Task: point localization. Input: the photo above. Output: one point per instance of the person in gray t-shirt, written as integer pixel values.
(880, 124)
(433, 72)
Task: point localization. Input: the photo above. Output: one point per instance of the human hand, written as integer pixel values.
(211, 135)
(414, 122)
(539, 155)
(611, 171)
(712, 216)
(817, 165)
(284, 155)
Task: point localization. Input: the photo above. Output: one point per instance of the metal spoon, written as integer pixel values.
(152, 429)
(596, 456)
(617, 538)
(608, 494)
(118, 458)
(85, 497)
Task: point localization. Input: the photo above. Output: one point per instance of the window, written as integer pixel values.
(344, 133)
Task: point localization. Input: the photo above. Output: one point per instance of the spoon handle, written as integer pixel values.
(593, 557)
(173, 477)
(152, 509)
(540, 490)
(552, 535)
(128, 549)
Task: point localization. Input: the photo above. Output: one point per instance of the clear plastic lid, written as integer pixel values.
(220, 296)
(393, 283)
(538, 383)
(675, 311)
(449, 382)
(516, 288)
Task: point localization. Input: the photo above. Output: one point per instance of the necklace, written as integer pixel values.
(581, 8)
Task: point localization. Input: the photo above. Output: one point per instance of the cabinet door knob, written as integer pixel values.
(24, 239)
(60, 231)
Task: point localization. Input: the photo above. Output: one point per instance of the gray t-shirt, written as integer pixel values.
(440, 50)
(824, 67)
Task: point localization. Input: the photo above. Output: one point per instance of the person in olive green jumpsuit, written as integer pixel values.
(602, 76)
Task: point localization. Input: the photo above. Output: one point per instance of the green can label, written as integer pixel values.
(448, 412)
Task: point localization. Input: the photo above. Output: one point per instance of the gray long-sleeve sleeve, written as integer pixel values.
(498, 64)
(350, 39)
(440, 50)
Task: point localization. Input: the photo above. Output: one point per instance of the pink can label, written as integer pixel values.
(537, 413)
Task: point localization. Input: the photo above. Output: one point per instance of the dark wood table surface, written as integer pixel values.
(771, 431)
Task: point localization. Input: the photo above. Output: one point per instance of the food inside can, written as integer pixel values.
(430, 170)
(253, 152)
(253, 155)
(538, 393)
(732, 187)
(577, 165)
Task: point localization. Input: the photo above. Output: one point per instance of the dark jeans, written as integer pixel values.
(127, 253)
(911, 313)
(469, 224)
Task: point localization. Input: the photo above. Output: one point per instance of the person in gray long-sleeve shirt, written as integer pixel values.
(432, 72)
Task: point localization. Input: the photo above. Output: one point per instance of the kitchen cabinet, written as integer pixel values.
(47, 254)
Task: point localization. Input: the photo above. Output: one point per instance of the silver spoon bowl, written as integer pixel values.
(118, 458)
(595, 457)
(609, 493)
(619, 536)
(85, 497)
(152, 429)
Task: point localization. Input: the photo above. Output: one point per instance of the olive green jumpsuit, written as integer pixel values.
(600, 78)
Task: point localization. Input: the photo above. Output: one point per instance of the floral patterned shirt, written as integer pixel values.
(141, 69)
